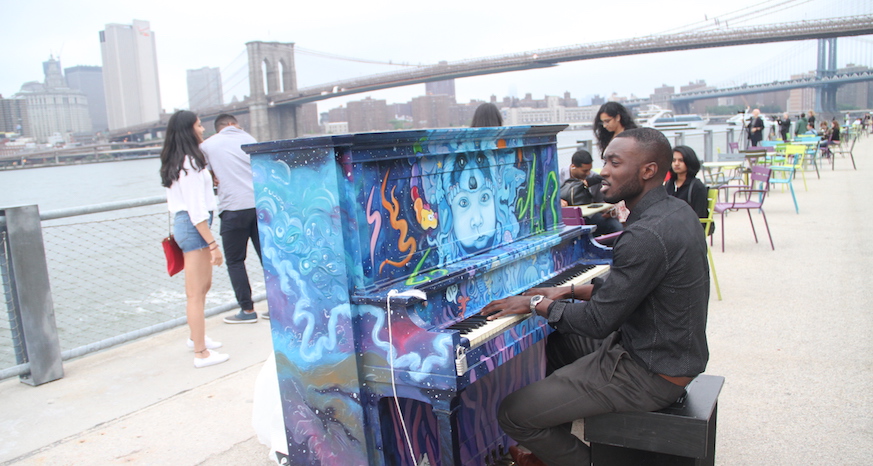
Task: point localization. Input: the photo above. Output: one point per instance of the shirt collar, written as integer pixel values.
(651, 198)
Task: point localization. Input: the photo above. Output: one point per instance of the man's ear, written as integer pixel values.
(649, 170)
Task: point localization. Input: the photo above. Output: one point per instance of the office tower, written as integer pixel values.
(13, 116)
(130, 74)
(54, 111)
(89, 80)
(204, 89)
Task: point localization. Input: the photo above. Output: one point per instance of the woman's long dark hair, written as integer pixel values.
(487, 114)
(692, 163)
(612, 109)
(179, 142)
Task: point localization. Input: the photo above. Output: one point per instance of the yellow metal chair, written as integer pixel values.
(712, 197)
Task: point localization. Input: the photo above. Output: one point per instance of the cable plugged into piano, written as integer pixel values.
(392, 293)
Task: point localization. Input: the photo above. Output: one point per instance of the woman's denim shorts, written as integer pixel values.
(186, 236)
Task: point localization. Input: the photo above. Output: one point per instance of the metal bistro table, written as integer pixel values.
(718, 174)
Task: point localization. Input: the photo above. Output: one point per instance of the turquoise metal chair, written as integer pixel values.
(784, 174)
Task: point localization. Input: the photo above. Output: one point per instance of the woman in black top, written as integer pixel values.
(683, 182)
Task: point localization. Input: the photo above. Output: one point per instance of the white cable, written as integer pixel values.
(392, 293)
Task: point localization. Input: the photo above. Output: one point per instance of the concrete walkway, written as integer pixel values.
(793, 338)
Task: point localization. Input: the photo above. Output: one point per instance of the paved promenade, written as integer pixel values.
(793, 337)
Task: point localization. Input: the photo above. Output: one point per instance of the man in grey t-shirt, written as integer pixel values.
(232, 169)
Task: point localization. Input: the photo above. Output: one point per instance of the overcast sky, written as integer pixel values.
(192, 35)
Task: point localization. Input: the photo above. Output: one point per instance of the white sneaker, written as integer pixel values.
(214, 358)
(209, 343)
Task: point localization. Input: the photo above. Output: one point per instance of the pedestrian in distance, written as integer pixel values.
(756, 128)
(191, 202)
(232, 171)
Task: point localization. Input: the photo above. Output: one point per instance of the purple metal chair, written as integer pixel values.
(742, 199)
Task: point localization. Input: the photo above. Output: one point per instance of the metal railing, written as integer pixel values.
(108, 280)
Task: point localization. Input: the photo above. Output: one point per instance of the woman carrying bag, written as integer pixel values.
(191, 202)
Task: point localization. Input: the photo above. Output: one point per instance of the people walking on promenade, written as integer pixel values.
(191, 202)
(232, 170)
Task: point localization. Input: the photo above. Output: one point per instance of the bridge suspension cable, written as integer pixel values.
(333, 56)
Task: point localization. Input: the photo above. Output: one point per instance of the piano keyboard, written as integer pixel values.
(478, 329)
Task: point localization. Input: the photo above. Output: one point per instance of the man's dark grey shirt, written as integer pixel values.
(657, 292)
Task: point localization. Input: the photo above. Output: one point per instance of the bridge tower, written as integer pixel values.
(272, 72)
(826, 66)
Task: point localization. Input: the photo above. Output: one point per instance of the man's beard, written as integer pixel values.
(631, 189)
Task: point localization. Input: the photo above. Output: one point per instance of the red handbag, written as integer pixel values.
(175, 258)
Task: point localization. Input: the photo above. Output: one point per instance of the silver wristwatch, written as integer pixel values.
(534, 300)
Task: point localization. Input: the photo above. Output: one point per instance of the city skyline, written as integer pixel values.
(388, 32)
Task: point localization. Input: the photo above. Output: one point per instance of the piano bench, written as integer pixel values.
(680, 434)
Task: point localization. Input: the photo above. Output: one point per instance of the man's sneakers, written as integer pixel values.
(242, 317)
(266, 315)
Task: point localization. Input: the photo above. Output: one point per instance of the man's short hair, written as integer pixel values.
(653, 144)
(581, 157)
(225, 119)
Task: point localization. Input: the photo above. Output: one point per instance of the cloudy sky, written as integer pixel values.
(192, 35)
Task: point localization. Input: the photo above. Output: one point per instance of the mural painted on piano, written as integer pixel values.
(449, 199)
(344, 219)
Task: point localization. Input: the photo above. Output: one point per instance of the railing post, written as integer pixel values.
(585, 144)
(707, 145)
(728, 139)
(678, 139)
(31, 294)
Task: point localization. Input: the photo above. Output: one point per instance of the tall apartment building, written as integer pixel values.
(432, 111)
(89, 80)
(13, 116)
(52, 107)
(130, 74)
(368, 115)
(204, 88)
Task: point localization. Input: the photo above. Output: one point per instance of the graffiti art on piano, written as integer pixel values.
(338, 223)
(451, 200)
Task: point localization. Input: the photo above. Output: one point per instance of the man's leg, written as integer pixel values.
(539, 415)
(235, 233)
(256, 243)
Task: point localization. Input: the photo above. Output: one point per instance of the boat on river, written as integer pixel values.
(664, 119)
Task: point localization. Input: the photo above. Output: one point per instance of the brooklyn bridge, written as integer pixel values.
(273, 107)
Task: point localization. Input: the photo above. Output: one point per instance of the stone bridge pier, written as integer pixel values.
(272, 72)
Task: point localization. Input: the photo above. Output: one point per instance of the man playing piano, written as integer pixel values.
(638, 338)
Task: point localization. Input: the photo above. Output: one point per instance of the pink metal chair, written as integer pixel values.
(742, 199)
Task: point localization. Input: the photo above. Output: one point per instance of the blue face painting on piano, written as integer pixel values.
(477, 192)
(471, 198)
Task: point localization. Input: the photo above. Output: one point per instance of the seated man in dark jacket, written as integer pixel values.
(583, 188)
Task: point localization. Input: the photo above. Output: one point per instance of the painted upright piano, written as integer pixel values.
(379, 250)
